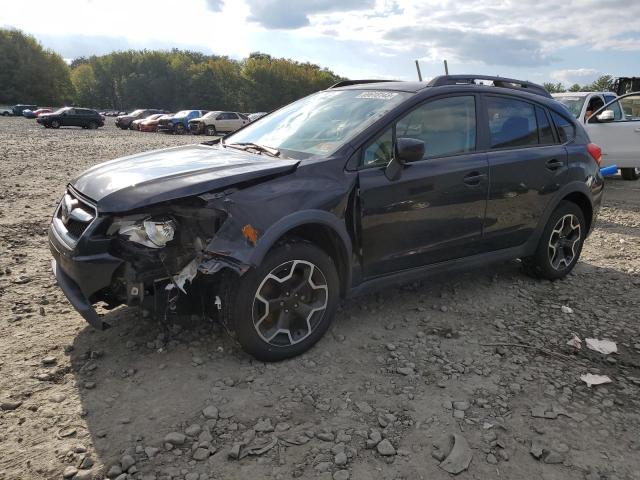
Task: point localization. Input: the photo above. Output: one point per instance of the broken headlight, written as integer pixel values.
(150, 232)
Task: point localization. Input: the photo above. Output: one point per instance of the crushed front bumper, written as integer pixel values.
(80, 277)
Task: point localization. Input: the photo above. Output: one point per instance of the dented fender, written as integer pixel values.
(259, 216)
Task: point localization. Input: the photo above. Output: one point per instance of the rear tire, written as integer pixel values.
(629, 173)
(560, 245)
(284, 306)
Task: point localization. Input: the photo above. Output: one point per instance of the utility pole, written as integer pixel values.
(446, 68)
(419, 72)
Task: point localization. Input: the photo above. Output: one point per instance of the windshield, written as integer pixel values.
(182, 113)
(573, 104)
(63, 109)
(321, 123)
(211, 114)
(136, 112)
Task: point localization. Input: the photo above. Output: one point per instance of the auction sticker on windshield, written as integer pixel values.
(377, 95)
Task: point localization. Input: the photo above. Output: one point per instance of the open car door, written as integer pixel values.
(615, 127)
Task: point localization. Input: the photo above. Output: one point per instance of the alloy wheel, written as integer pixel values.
(564, 241)
(290, 303)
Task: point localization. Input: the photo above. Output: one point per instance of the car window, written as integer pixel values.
(545, 131)
(380, 151)
(512, 123)
(572, 103)
(446, 126)
(243, 116)
(566, 130)
(630, 107)
(232, 116)
(70, 111)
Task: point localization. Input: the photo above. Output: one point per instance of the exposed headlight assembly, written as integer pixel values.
(154, 233)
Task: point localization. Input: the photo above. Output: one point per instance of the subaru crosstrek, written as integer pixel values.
(357, 187)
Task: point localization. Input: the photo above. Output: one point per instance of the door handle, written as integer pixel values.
(554, 164)
(474, 178)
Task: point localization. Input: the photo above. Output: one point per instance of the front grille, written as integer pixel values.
(195, 127)
(72, 218)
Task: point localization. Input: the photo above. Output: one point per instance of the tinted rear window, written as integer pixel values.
(564, 127)
(545, 131)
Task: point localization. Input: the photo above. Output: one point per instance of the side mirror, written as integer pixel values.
(409, 149)
(606, 116)
(406, 150)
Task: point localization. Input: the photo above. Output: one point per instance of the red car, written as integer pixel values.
(150, 124)
(40, 111)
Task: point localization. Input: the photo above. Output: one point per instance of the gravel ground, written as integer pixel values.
(378, 398)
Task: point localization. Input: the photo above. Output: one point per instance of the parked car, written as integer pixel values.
(255, 116)
(6, 112)
(150, 124)
(358, 187)
(214, 122)
(581, 104)
(135, 125)
(179, 123)
(616, 128)
(35, 113)
(42, 111)
(71, 117)
(17, 110)
(124, 121)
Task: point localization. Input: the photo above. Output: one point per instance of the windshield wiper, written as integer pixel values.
(272, 152)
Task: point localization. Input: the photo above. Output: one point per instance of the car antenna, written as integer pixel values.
(419, 72)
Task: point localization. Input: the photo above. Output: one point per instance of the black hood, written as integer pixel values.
(152, 177)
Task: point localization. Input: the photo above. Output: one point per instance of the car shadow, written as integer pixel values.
(143, 378)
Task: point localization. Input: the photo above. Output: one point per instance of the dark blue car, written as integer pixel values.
(179, 123)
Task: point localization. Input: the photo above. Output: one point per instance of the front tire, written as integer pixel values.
(55, 124)
(629, 173)
(560, 244)
(178, 129)
(211, 130)
(284, 306)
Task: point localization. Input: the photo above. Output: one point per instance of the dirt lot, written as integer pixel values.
(400, 370)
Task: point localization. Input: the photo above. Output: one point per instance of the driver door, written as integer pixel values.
(619, 134)
(435, 211)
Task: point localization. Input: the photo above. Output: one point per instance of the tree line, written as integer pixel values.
(602, 84)
(172, 80)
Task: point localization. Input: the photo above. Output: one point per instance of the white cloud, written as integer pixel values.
(539, 37)
(581, 76)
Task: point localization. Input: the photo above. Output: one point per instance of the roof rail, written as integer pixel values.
(346, 83)
(497, 82)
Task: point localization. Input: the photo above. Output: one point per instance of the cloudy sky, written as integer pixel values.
(542, 40)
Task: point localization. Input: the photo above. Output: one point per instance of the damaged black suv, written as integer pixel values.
(353, 188)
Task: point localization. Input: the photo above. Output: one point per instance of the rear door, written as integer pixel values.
(527, 164)
(435, 210)
(619, 137)
(70, 118)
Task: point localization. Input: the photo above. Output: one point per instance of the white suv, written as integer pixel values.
(613, 123)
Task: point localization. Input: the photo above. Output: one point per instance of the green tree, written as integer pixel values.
(85, 84)
(602, 84)
(554, 87)
(575, 88)
(31, 74)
